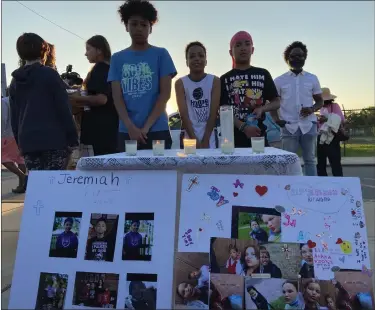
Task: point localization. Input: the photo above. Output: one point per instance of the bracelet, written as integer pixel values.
(242, 127)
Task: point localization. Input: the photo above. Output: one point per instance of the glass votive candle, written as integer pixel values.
(257, 144)
(131, 147)
(158, 147)
(227, 147)
(190, 146)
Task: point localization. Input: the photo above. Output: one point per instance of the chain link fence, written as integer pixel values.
(361, 125)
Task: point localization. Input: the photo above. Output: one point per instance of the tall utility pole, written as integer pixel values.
(3, 80)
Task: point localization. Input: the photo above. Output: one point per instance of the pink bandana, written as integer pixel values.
(241, 35)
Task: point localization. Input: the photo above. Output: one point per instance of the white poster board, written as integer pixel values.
(86, 236)
(327, 213)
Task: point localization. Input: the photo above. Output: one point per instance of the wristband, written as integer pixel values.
(242, 127)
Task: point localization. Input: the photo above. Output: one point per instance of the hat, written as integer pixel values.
(240, 35)
(326, 94)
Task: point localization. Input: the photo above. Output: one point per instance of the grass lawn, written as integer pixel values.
(358, 150)
(355, 150)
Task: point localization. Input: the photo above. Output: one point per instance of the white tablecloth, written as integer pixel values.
(272, 162)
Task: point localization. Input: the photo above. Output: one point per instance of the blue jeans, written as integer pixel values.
(307, 141)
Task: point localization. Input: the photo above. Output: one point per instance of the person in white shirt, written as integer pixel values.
(298, 90)
(198, 98)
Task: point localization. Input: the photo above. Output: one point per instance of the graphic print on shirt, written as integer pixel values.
(99, 250)
(200, 105)
(136, 79)
(245, 93)
(65, 241)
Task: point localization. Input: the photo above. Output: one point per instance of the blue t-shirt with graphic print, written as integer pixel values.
(139, 73)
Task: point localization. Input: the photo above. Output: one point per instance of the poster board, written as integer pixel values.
(298, 220)
(89, 238)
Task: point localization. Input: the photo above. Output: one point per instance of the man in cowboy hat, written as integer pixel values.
(298, 90)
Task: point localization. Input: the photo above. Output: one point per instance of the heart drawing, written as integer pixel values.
(235, 194)
(339, 241)
(311, 244)
(261, 190)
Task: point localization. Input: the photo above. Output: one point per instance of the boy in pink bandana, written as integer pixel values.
(250, 90)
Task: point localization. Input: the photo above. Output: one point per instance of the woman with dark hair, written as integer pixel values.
(99, 126)
(250, 261)
(267, 266)
(41, 119)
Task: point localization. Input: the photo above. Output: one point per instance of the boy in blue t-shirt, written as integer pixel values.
(141, 77)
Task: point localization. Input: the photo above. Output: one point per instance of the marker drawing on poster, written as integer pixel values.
(307, 211)
(101, 244)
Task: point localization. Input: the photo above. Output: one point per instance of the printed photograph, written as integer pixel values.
(65, 233)
(247, 258)
(227, 291)
(307, 262)
(102, 237)
(272, 294)
(141, 291)
(138, 236)
(96, 290)
(319, 294)
(354, 289)
(51, 291)
(260, 224)
(191, 275)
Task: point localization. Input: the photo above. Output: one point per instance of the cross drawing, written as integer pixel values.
(38, 206)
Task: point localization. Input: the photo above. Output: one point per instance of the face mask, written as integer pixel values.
(297, 64)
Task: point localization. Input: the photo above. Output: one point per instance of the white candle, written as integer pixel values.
(257, 144)
(227, 124)
(158, 147)
(227, 147)
(131, 147)
(190, 146)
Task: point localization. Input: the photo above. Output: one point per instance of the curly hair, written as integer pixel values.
(141, 8)
(51, 56)
(195, 43)
(289, 48)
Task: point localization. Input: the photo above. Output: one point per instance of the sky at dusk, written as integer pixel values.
(339, 36)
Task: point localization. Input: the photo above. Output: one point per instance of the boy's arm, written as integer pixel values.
(182, 108)
(160, 105)
(114, 77)
(167, 71)
(215, 103)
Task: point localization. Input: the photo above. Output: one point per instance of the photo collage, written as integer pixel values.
(255, 270)
(96, 289)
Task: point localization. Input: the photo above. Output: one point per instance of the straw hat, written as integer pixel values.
(326, 94)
